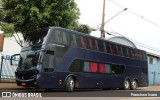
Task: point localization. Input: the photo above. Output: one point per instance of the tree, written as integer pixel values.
(83, 28)
(30, 16)
(8, 29)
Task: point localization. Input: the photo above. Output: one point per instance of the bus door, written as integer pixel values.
(48, 65)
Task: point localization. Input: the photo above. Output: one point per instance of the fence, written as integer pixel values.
(7, 71)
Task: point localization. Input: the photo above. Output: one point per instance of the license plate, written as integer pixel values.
(23, 84)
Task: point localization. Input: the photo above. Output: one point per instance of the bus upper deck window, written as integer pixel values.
(82, 42)
(90, 43)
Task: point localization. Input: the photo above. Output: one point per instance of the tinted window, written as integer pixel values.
(125, 52)
(119, 50)
(86, 42)
(78, 41)
(102, 68)
(49, 61)
(82, 42)
(93, 67)
(76, 66)
(133, 53)
(108, 68)
(94, 42)
(73, 40)
(117, 69)
(100, 46)
(108, 48)
(140, 55)
(144, 56)
(129, 53)
(114, 51)
(59, 37)
(86, 66)
(90, 43)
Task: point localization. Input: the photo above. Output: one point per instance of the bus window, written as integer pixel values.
(86, 42)
(102, 68)
(133, 53)
(136, 54)
(118, 69)
(119, 50)
(144, 56)
(130, 53)
(93, 67)
(100, 46)
(69, 39)
(125, 52)
(49, 61)
(94, 42)
(114, 50)
(56, 37)
(76, 66)
(82, 42)
(90, 43)
(96, 45)
(78, 40)
(140, 55)
(108, 48)
(107, 68)
(104, 47)
(86, 66)
(65, 38)
(73, 41)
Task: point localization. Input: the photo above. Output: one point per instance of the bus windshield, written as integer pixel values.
(28, 60)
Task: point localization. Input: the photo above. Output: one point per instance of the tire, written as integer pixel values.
(134, 85)
(127, 84)
(70, 84)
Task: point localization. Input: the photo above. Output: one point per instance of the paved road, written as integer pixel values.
(152, 92)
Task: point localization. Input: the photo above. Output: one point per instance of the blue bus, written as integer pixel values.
(66, 59)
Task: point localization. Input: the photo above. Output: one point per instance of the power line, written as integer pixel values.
(135, 13)
(113, 33)
(115, 15)
(136, 42)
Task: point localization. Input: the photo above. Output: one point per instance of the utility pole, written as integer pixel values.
(103, 17)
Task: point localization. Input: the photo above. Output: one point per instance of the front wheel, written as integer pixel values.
(70, 84)
(126, 84)
(134, 85)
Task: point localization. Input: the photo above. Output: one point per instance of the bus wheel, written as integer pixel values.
(134, 85)
(70, 84)
(126, 84)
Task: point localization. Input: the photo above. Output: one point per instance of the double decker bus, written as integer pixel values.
(67, 59)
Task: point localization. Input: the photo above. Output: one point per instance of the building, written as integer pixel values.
(10, 47)
(153, 68)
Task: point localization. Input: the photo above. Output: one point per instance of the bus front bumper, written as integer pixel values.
(26, 83)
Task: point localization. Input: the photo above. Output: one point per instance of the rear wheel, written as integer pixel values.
(126, 84)
(134, 84)
(70, 84)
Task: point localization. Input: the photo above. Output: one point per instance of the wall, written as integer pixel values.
(154, 71)
(10, 47)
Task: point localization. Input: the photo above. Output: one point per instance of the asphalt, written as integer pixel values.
(10, 86)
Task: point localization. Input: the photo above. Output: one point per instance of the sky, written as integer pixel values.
(141, 21)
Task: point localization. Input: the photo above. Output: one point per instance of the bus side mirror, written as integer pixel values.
(13, 59)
